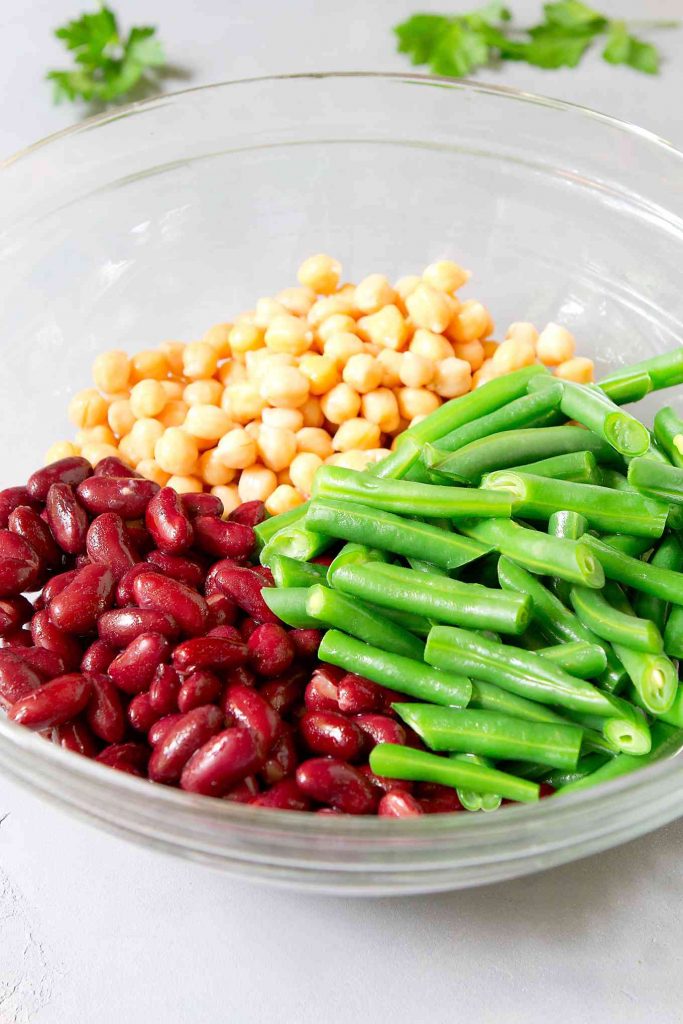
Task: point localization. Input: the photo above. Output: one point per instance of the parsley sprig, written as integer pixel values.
(458, 45)
(108, 66)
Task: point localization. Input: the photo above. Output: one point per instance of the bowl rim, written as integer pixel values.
(487, 828)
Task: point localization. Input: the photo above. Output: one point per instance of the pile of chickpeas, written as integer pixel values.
(322, 373)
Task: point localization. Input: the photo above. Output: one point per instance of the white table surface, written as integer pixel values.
(95, 930)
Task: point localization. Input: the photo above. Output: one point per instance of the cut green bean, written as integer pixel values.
(627, 387)
(536, 497)
(576, 467)
(271, 526)
(610, 624)
(666, 742)
(471, 799)
(673, 633)
(334, 611)
(436, 597)
(633, 546)
(397, 762)
(656, 478)
(664, 371)
(424, 682)
(399, 463)
(588, 764)
(294, 542)
(538, 410)
(355, 554)
(669, 555)
(409, 621)
(287, 572)
(389, 532)
(547, 556)
(289, 604)
(421, 566)
(668, 431)
(674, 716)
(493, 735)
(650, 579)
(568, 526)
(580, 659)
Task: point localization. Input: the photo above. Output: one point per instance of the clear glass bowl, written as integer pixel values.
(163, 218)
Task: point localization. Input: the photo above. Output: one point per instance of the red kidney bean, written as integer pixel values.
(221, 763)
(98, 657)
(356, 694)
(322, 693)
(282, 759)
(243, 586)
(380, 729)
(285, 691)
(167, 522)
(54, 703)
(437, 799)
(186, 570)
(18, 638)
(27, 524)
(161, 728)
(271, 652)
(75, 736)
(244, 706)
(17, 678)
(284, 795)
(130, 758)
(133, 670)
(71, 471)
(265, 573)
(126, 495)
(124, 590)
(201, 504)
(141, 714)
(109, 543)
(46, 634)
(80, 604)
(19, 564)
(331, 734)
(399, 804)
(201, 687)
(139, 537)
(245, 792)
(223, 539)
(240, 674)
(189, 734)
(250, 513)
(384, 784)
(67, 519)
(227, 633)
(120, 626)
(545, 789)
(55, 586)
(188, 608)
(82, 561)
(104, 713)
(111, 466)
(246, 628)
(305, 642)
(164, 690)
(46, 663)
(10, 499)
(222, 611)
(208, 652)
(329, 810)
(331, 781)
(14, 612)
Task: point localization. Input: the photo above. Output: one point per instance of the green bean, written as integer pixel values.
(633, 546)
(666, 742)
(619, 482)
(289, 604)
(408, 498)
(664, 371)
(669, 555)
(294, 542)
(399, 463)
(421, 566)
(674, 716)
(627, 387)
(498, 451)
(334, 611)
(287, 572)
(580, 659)
(664, 482)
(673, 633)
(492, 734)
(412, 623)
(472, 799)
(266, 530)
(397, 762)
(536, 497)
(610, 624)
(588, 405)
(577, 467)
(355, 554)
(567, 526)
(571, 560)
(668, 431)
(439, 598)
(537, 410)
(648, 578)
(424, 682)
(588, 764)
(388, 532)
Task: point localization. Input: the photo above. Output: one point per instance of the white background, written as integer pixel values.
(94, 931)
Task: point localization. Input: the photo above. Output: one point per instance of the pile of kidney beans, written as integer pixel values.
(148, 647)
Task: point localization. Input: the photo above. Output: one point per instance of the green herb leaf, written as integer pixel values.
(573, 15)
(623, 48)
(553, 48)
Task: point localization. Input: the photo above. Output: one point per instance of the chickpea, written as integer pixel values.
(147, 398)
(87, 408)
(186, 484)
(321, 372)
(471, 351)
(416, 402)
(523, 332)
(287, 333)
(245, 337)
(231, 372)
(471, 322)
(445, 275)
(312, 413)
(266, 311)
(283, 477)
(256, 483)
(176, 452)
(430, 346)
(338, 323)
(490, 347)
(213, 470)
(404, 287)
(199, 360)
(229, 497)
(253, 429)
(151, 470)
(64, 450)
(287, 389)
(356, 459)
(262, 364)
(513, 355)
(332, 305)
(202, 392)
(149, 365)
(296, 300)
(320, 273)
(236, 449)
(101, 434)
(555, 345)
(453, 377)
(381, 407)
(430, 308)
(242, 402)
(172, 351)
(484, 374)
(287, 419)
(173, 389)
(339, 348)
(416, 371)
(111, 371)
(356, 433)
(128, 451)
(95, 452)
(387, 328)
(578, 369)
(372, 293)
(390, 362)
(363, 373)
(218, 337)
(340, 404)
(207, 421)
(276, 447)
(302, 471)
(143, 438)
(173, 414)
(283, 499)
(315, 441)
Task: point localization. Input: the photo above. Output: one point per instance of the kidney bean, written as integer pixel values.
(209, 652)
(285, 691)
(240, 674)
(46, 634)
(54, 703)
(141, 714)
(331, 781)
(17, 639)
(17, 678)
(331, 734)
(177, 567)
(104, 712)
(201, 504)
(282, 759)
(124, 590)
(98, 657)
(246, 628)
(130, 758)
(329, 810)
(380, 729)
(245, 707)
(161, 728)
(120, 626)
(133, 670)
(168, 523)
(108, 543)
(111, 466)
(243, 586)
(399, 804)
(544, 789)
(356, 694)
(126, 495)
(55, 586)
(11, 498)
(71, 471)
(249, 513)
(437, 799)
(188, 734)
(67, 519)
(80, 604)
(271, 652)
(265, 573)
(227, 633)
(14, 612)
(322, 693)
(222, 611)
(305, 642)
(244, 792)
(75, 736)
(223, 539)
(284, 795)
(27, 524)
(46, 663)
(19, 564)
(188, 608)
(384, 784)
(139, 537)
(201, 687)
(164, 690)
(221, 763)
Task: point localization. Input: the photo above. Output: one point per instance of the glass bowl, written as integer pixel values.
(163, 218)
